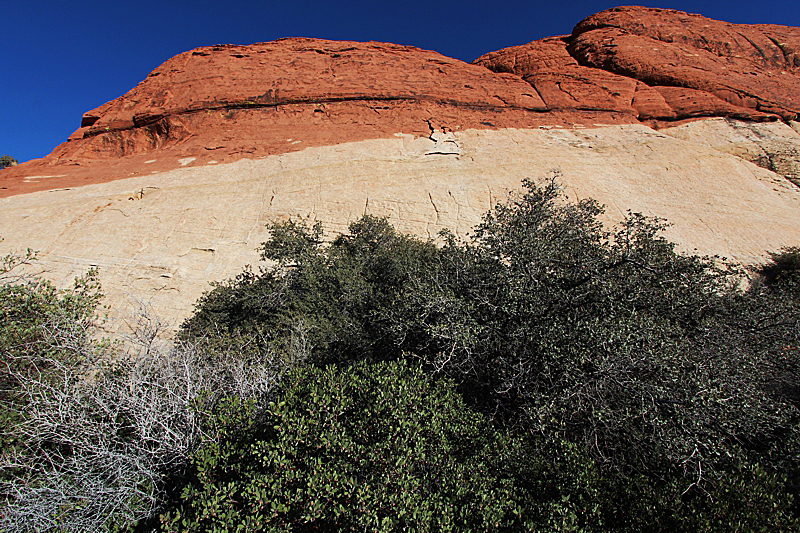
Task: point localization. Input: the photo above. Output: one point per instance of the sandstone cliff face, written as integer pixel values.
(224, 103)
(664, 65)
(621, 66)
(171, 185)
(161, 238)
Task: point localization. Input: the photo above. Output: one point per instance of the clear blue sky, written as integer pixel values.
(60, 59)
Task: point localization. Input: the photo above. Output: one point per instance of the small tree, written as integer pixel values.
(7, 161)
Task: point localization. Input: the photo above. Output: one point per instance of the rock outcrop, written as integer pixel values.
(620, 66)
(663, 65)
(224, 103)
(171, 185)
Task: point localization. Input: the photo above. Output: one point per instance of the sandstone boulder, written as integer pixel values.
(749, 66)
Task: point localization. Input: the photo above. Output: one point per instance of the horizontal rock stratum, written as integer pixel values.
(171, 185)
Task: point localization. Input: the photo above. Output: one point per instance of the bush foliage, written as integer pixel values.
(656, 364)
(372, 447)
(546, 373)
(7, 161)
(95, 434)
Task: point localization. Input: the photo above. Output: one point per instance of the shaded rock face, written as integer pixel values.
(172, 185)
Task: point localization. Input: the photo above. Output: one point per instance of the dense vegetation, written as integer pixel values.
(547, 374)
(7, 161)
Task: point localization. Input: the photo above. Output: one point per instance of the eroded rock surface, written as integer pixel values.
(171, 185)
(620, 66)
(666, 65)
(224, 103)
(161, 239)
(771, 145)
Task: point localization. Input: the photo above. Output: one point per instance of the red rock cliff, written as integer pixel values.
(623, 65)
(663, 65)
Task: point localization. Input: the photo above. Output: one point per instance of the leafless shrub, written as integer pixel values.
(97, 440)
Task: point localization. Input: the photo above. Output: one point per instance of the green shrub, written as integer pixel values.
(7, 161)
(783, 271)
(379, 447)
(609, 339)
(346, 296)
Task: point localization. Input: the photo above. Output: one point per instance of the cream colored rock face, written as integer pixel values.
(771, 145)
(161, 239)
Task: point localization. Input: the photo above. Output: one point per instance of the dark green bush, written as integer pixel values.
(609, 339)
(7, 161)
(783, 271)
(347, 297)
(379, 447)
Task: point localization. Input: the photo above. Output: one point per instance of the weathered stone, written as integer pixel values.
(171, 185)
(618, 66)
(741, 71)
(651, 104)
(751, 66)
(559, 80)
(771, 145)
(162, 238)
(693, 103)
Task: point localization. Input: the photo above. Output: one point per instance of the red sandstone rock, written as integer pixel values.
(691, 103)
(651, 104)
(224, 103)
(558, 78)
(754, 67)
(709, 68)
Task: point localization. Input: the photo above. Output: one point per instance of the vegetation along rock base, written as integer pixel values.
(545, 374)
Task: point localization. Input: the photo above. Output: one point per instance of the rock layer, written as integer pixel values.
(619, 66)
(664, 65)
(223, 103)
(162, 238)
(171, 185)
(749, 66)
(774, 146)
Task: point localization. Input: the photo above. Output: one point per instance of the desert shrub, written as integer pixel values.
(621, 343)
(373, 447)
(610, 338)
(38, 319)
(41, 328)
(100, 448)
(346, 295)
(783, 270)
(7, 161)
(651, 361)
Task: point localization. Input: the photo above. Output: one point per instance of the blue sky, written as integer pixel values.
(60, 59)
